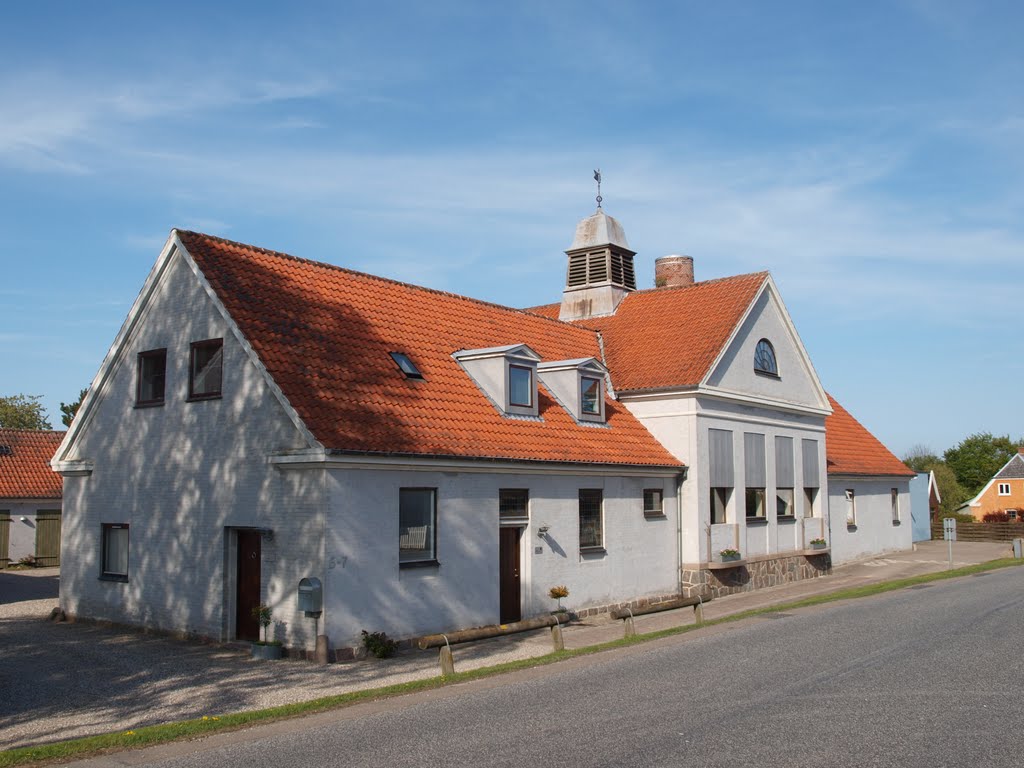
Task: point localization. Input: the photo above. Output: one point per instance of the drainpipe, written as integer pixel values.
(680, 479)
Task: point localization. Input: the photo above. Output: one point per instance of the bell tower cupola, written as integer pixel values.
(600, 271)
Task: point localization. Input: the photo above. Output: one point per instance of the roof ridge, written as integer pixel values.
(34, 431)
(665, 288)
(369, 276)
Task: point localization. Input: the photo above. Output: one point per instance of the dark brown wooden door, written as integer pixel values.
(508, 567)
(248, 583)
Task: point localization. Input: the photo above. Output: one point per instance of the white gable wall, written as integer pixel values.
(182, 475)
(796, 383)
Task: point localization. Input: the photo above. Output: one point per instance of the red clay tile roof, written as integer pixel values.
(851, 450)
(669, 337)
(25, 464)
(324, 334)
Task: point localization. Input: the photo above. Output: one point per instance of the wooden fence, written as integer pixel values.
(981, 531)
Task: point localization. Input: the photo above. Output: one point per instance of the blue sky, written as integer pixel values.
(868, 154)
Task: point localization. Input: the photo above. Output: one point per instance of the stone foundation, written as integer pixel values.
(754, 573)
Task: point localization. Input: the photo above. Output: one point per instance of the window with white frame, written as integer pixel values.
(520, 386)
(895, 498)
(591, 524)
(1004, 489)
(654, 502)
(851, 508)
(417, 526)
(719, 504)
(722, 474)
(115, 551)
(590, 395)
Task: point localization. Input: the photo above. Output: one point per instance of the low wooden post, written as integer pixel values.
(556, 638)
(630, 627)
(447, 662)
(698, 613)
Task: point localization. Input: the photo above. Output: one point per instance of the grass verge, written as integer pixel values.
(205, 726)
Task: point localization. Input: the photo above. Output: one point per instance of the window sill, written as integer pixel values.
(592, 551)
(200, 398)
(113, 577)
(654, 515)
(851, 527)
(721, 565)
(767, 374)
(897, 523)
(420, 564)
(756, 521)
(149, 404)
(785, 518)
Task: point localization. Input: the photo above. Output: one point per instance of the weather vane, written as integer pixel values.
(597, 178)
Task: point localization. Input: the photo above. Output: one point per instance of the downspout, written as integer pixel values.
(680, 479)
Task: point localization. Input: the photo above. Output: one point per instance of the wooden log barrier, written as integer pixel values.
(492, 630)
(665, 605)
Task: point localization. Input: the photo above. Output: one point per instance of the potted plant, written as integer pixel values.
(729, 554)
(818, 543)
(557, 593)
(265, 648)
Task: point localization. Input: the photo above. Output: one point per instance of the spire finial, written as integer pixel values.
(597, 178)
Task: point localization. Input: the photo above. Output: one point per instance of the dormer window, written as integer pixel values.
(590, 395)
(520, 386)
(764, 358)
(507, 375)
(578, 386)
(407, 366)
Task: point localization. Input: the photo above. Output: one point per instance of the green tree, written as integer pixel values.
(68, 410)
(953, 494)
(920, 458)
(978, 457)
(23, 412)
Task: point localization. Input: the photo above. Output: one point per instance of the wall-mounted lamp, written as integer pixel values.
(543, 531)
(23, 519)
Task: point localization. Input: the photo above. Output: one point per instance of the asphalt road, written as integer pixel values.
(922, 677)
(18, 586)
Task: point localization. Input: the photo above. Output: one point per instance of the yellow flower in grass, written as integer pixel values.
(129, 733)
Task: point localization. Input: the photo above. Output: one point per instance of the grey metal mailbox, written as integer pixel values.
(311, 596)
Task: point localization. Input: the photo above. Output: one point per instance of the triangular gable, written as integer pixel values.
(1011, 470)
(172, 248)
(732, 374)
(666, 339)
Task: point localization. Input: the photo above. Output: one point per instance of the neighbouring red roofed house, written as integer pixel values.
(30, 497)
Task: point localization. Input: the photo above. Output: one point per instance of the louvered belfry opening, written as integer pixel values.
(601, 266)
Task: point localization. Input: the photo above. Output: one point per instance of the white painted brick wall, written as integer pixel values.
(180, 475)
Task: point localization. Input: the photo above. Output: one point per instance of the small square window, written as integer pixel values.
(152, 374)
(206, 368)
(654, 502)
(520, 386)
(1004, 489)
(755, 502)
(513, 506)
(590, 395)
(417, 526)
(115, 551)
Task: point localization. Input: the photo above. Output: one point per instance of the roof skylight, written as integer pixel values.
(408, 366)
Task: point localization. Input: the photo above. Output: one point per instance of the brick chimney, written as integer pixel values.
(673, 271)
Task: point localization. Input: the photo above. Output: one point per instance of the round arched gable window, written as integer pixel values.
(764, 358)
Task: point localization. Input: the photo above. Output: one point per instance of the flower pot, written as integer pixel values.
(266, 651)
(730, 558)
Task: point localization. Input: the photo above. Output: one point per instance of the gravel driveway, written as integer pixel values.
(65, 680)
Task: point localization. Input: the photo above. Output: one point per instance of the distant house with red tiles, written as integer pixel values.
(30, 497)
(1003, 493)
(438, 462)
